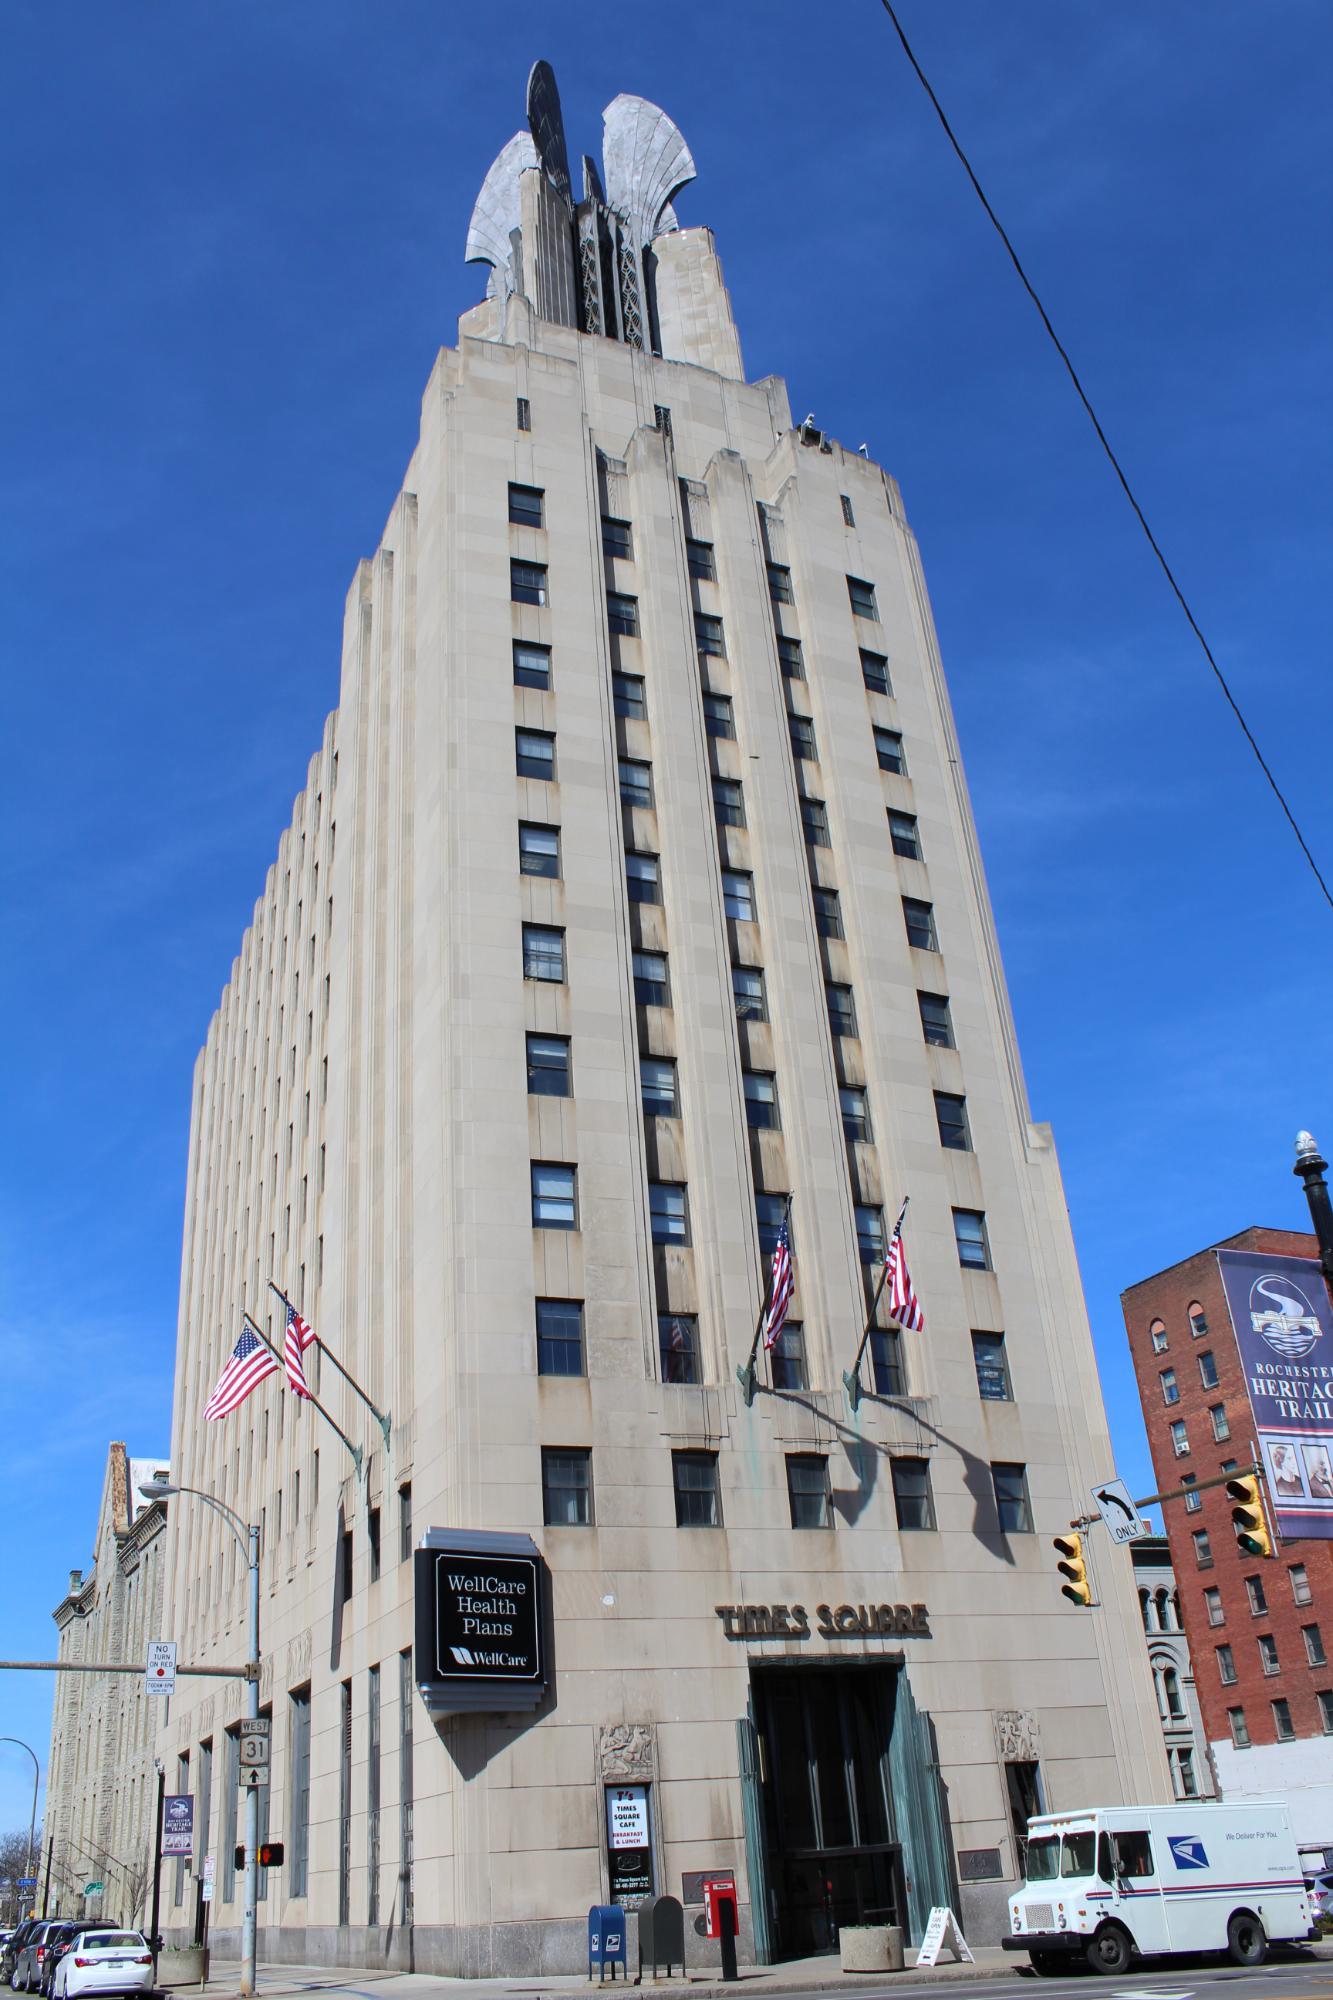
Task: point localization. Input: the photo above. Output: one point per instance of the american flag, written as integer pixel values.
(781, 1284)
(247, 1365)
(904, 1305)
(298, 1337)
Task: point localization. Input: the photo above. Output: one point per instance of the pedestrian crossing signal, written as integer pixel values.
(269, 1854)
(1073, 1567)
(1247, 1514)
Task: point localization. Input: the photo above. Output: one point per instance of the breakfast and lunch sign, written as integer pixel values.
(1284, 1329)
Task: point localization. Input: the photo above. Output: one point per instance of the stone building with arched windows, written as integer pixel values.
(1172, 1671)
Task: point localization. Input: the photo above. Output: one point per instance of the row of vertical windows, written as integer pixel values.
(1198, 1325)
(1284, 1728)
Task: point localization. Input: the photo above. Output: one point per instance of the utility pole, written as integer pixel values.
(154, 1942)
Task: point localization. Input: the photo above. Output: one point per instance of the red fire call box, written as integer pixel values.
(720, 1905)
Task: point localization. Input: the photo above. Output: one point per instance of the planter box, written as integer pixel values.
(186, 1967)
(871, 1948)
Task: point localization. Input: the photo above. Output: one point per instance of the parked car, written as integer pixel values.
(58, 1941)
(1319, 1888)
(14, 1944)
(104, 1961)
(27, 1974)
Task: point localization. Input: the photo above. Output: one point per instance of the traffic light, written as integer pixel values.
(1247, 1514)
(1073, 1566)
(269, 1854)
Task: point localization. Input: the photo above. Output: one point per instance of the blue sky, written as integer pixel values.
(234, 239)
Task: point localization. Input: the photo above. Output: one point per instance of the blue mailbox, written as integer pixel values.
(606, 1939)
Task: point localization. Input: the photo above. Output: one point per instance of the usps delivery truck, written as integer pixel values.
(1113, 1883)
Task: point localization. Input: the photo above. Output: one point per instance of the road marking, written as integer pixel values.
(1149, 1993)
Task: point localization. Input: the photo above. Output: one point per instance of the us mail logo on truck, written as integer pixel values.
(1187, 1850)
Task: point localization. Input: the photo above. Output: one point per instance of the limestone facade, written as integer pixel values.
(1183, 1736)
(622, 600)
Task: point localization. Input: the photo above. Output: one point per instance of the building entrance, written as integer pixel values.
(833, 1856)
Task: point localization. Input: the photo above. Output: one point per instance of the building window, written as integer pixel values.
(869, 1234)
(636, 783)
(1221, 1428)
(538, 850)
(548, 1066)
(849, 519)
(747, 987)
(1157, 1333)
(559, 1337)
(1011, 1499)
(622, 614)
(1212, 1602)
(951, 1118)
(1203, 1549)
(855, 1113)
(769, 1211)
(617, 539)
(699, 559)
(791, 659)
(904, 835)
(828, 913)
(662, 419)
(1268, 1659)
(1188, 1784)
(1283, 1727)
(1301, 1592)
(698, 1502)
(1240, 1734)
(668, 1215)
(678, 1346)
(525, 506)
(566, 1487)
(534, 754)
(1180, 1442)
(1325, 1700)
(532, 665)
(709, 636)
(875, 672)
(373, 1541)
(738, 895)
(936, 1021)
(841, 1010)
(1314, 1646)
(657, 1085)
(912, 1497)
(719, 720)
(969, 1233)
(627, 696)
(786, 1358)
(298, 1824)
(1226, 1666)
(1254, 1590)
(1175, 1707)
(1170, 1386)
(779, 584)
(405, 1521)
(543, 953)
(1208, 1369)
(651, 986)
(642, 878)
(1198, 1320)
(553, 1196)
(808, 1492)
(523, 414)
(527, 582)
(1193, 1501)
(889, 751)
(761, 1101)
(802, 731)
(728, 802)
(920, 921)
(814, 822)
(862, 595)
(992, 1365)
(886, 1361)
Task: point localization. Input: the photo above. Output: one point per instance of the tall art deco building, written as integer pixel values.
(633, 894)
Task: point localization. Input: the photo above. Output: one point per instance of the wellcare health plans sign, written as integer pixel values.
(480, 1620)
(1284, 1330)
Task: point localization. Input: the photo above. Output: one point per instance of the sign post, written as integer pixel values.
(160, 1670)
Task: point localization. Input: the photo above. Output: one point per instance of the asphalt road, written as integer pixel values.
(1285, 1978)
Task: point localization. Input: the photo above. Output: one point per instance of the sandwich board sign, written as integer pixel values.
(943, 1934)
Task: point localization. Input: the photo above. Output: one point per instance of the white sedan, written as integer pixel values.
(105, 1962)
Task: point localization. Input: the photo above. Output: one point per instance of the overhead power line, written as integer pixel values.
(1105, 443)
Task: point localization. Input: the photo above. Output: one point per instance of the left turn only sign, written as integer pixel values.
(160, 1670)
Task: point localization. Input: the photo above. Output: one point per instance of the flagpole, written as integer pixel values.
(380, 1416)
(746, 1376)
(355, 1449)
(851, 1380)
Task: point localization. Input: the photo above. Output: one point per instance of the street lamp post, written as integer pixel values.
(1310, 1168)
(247, 1534)
(36, 1779)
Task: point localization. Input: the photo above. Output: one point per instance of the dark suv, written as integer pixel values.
(13, 1945)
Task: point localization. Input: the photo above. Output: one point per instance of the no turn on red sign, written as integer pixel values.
(160, 1669)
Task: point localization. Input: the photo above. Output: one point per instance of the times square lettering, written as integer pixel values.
(845, 1621)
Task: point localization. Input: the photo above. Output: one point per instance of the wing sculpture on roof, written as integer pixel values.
(496, 215)
(646, 161)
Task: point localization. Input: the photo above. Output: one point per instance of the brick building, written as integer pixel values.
(1259, 1630)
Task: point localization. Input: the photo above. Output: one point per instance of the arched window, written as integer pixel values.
(1198, 1319)
(1157, 1334)
(1145, 1608)
(1163, 1602)
(1175, 1706)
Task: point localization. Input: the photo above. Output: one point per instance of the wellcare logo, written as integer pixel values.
(1283, 1317)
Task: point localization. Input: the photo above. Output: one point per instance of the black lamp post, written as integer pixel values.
(1310, 1168)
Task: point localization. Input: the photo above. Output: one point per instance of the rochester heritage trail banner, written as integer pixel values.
(1284, 1330)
